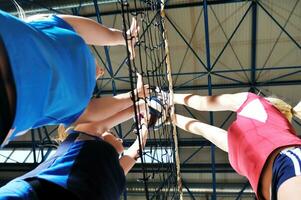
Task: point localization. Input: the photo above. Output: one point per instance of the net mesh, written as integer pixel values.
(159, 160)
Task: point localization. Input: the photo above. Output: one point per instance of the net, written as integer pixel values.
(159, 160)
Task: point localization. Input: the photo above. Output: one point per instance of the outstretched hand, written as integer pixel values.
(142, 90)
(144, 130)
(132, 37)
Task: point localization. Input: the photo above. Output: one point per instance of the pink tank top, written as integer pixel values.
(252, 141)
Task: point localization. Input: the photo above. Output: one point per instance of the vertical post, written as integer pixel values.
(207, 40)
(171, 104)
(253, 46)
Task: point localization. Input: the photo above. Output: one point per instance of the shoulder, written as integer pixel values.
(253, 108)
(236, 100)
(47, 21)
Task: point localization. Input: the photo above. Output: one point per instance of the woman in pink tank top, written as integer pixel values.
(261, 143)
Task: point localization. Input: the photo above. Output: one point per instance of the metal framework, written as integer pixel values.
(41, 137)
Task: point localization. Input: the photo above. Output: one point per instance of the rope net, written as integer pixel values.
(159, 159)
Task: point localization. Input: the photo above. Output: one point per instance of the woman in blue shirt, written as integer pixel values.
(47, 72)
(87, 165)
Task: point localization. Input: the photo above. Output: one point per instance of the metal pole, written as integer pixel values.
(253, 45)
(212, 149)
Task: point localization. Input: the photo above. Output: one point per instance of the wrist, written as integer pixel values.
(142, 142)
(132, 95)
(124, 37)
(136, 157)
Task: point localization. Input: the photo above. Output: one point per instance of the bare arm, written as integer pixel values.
(221, 102)
(214, 134)
(93, 32)
(101, 108)
(98, 127)
(97, 34)
(128, 160)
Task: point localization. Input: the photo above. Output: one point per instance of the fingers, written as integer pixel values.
(134, 23)
(142, 90)
(133, 35)
(133, 41)
(139, 80)
(131, 46)
(146, 90)
(134, 29)
(139, 83)
(144, 129)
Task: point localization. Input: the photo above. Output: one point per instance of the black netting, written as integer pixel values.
(158, 161)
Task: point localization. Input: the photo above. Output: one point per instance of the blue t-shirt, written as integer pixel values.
(89, 169)
(53, 69)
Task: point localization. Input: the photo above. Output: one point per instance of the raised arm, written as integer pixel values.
(97, 34)
(221, 102)
(98, 127)
(104, 107)
(93, 32)
(214, 134)
(128, 160)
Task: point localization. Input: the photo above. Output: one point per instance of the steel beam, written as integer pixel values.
(253, 45)
(186, 42)
(209, 68)
(247, 184)
(223, 86)
(226, 190)
(276, 42)
(173, 6)
(230, 38)
(183, 142)
(278, 68)
(189, 192)
(279, 25)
